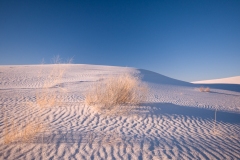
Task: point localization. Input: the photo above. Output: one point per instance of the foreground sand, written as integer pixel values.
(176, 121)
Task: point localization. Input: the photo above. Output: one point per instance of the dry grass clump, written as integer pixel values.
(46, 98)
(15, 132)
(202, 89)
(207, 89)
(115, 94)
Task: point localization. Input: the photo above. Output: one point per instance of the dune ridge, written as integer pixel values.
(229, 80)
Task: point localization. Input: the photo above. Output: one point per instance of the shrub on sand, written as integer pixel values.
(19, 131)
(207, 89)
(109, 96)
(202, 89)
(45, 98)
(14, 132)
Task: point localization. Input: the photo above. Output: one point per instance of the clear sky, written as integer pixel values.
(184, 39)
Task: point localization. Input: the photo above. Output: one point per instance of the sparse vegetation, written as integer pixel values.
(45, 98)
(115, 95)
(21, 132)
(24, 131)
(202, 89)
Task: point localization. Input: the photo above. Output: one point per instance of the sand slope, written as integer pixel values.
(229, 80)
(231, 83)
(176, 121)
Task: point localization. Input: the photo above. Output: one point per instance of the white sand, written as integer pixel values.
(229, 80)
(176, 122)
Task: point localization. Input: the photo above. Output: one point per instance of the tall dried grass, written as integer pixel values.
(116, 94)
(14, 130)
(46, 98)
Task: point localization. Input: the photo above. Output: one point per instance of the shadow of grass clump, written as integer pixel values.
(187, 111)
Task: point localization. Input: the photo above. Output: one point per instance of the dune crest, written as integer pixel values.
(229, 80)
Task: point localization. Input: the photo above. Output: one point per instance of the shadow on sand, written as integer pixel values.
(172, 109)
(153, 77)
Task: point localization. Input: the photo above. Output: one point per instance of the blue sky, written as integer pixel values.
(187, 40)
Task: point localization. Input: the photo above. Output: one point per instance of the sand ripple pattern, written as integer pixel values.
(176, 122)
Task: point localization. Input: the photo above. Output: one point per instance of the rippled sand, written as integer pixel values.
(177, 121)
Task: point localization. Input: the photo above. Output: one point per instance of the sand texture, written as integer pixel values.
(176, 121)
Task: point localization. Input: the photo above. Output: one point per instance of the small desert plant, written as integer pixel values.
(46, 98)
(202, 89)
(15, 132)
(207, 89)
(112, 93)
(25, 131)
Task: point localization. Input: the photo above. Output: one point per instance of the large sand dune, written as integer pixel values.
(176, 121)
(230, 83)
(229, 80)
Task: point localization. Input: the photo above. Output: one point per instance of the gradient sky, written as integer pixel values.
(183, 39)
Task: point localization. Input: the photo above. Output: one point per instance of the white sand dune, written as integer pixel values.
(175, 122)
(229, 80)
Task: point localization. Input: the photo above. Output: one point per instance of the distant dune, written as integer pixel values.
(229, 80)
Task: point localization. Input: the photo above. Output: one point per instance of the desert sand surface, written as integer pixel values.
(229, 80)
(176, 121)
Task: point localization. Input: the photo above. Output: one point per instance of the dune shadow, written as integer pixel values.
(153, 77)
(172, 109)
(224, 93)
